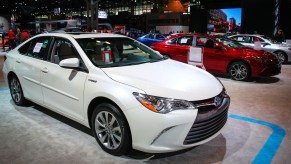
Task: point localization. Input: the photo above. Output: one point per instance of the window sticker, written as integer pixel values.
(240, 39)
(184, 40)
(37, 47)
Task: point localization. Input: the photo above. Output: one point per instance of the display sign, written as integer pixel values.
(258, 45)
(102, 14)
(57, 11)
(195, 57)
(37, 47)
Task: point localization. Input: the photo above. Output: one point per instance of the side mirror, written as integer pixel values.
(70, 63)
(220, 47)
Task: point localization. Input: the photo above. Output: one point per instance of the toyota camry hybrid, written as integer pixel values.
(128, 94)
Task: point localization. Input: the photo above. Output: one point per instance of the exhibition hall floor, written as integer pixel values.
(258, 130)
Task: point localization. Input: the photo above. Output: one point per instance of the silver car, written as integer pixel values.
(282, 50)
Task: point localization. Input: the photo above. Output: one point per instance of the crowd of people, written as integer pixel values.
(15, 37)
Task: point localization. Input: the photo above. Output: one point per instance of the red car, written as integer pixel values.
(221, 55)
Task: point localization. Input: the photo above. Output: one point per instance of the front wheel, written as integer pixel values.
(110, 129)
(282, 57)
(239, 71)
(16, 91)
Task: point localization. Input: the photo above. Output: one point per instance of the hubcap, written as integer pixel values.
(281, 57)
(238, 72)
(15, 90)
(108, 130)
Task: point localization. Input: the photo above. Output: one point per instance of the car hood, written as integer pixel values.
(169, 79)
(284, 45)
(260, 53)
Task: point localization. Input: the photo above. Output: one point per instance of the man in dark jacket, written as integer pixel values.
(280, 37)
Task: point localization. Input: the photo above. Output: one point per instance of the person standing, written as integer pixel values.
(279, 36)
(24, 35)
(11, 39)
(18, 36)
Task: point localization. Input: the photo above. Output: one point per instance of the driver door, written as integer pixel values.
(63, 88)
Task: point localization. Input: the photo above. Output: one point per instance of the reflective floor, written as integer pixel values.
(257, 131)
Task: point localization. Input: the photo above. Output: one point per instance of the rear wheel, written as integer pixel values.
(110, 129)
(282, 57)
(16, 91)
(239, 71)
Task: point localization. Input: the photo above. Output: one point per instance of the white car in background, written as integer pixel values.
(282, 50)
(128, 94)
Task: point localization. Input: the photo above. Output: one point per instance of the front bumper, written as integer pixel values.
(158, 133)
(266, 69)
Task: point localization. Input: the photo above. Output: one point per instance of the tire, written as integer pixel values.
(282, 57)
(110, 129)
(239, 71)
(16, 91)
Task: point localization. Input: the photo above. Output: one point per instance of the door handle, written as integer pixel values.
(44, 70)
(18, 61)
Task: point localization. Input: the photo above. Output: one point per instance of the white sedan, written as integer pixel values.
(128, 94)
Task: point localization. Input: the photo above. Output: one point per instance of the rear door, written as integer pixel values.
(28, 67)
(178, 48)
(63, 88)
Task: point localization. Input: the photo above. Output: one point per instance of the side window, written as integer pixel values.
(24, 48)
(160, 37)
(151, 36)
(258, 39)
(241, 39)
(173, 41)
(185, 40)
(147, 36)
(63, 49)
(254, 39)
(209, 43)
(201, 41)
(39, 48)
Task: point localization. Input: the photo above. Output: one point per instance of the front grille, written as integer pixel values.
(210, 119)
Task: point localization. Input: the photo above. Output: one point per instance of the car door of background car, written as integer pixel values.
(63, 88)
(29, 67)
(178, 48)
(213, 58)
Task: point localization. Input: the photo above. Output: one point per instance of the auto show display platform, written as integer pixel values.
(257, 131)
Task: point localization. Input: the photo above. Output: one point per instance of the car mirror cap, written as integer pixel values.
(70, 63)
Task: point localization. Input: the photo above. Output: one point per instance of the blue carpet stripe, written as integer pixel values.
(4, 89)
(268, 151)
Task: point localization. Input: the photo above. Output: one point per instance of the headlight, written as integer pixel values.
(262, 59)
(162, 105)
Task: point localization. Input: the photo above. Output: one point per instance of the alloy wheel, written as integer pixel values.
(281, 57)
(108, 130)
(239, 71)
(15, 90)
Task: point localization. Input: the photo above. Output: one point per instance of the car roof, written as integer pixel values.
(78, 35)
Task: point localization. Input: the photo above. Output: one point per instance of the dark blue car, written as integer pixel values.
(151, 38)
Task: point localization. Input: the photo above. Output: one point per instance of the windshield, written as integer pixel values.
(115, 52)
(230, 43)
